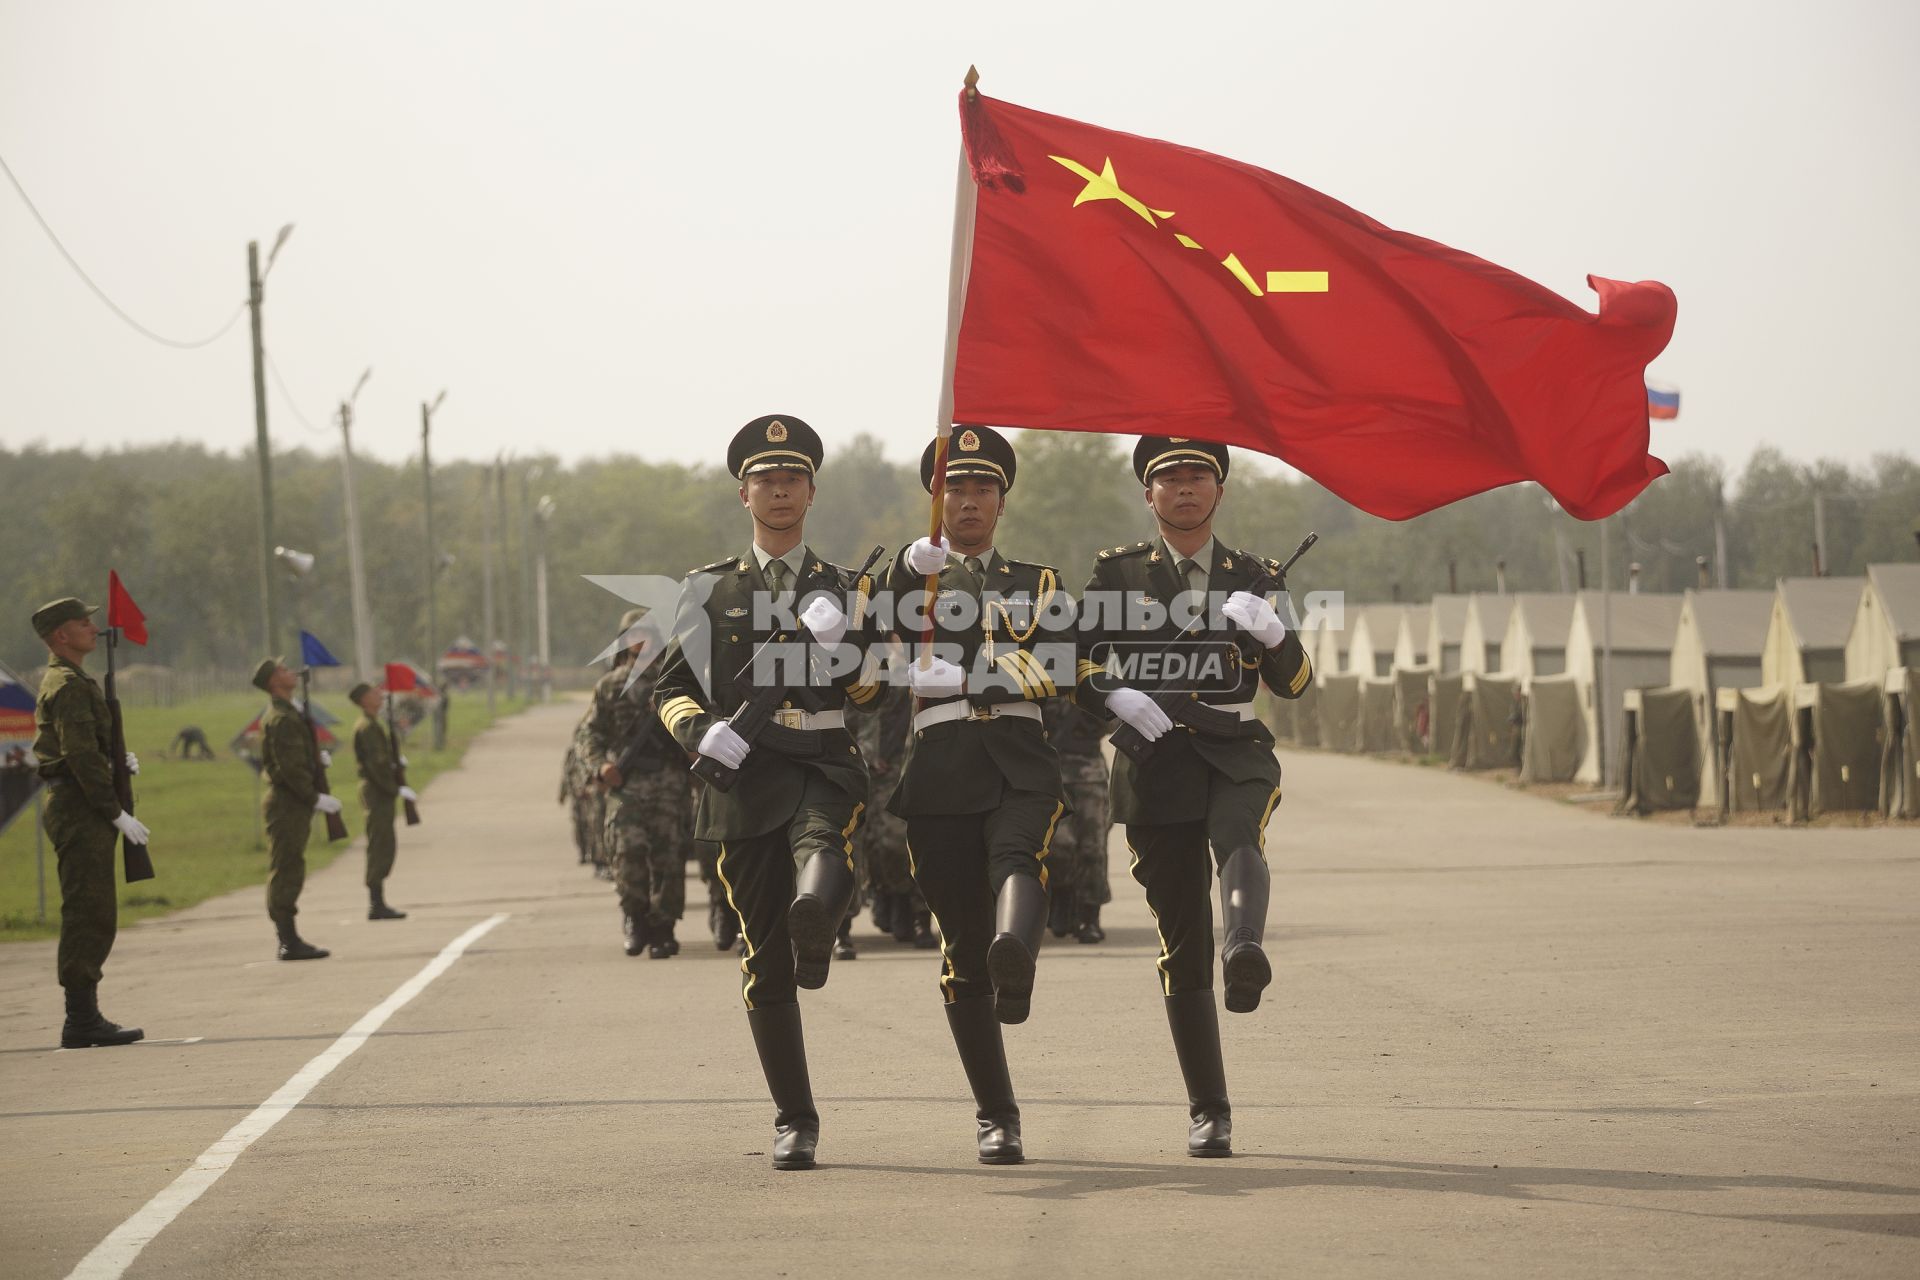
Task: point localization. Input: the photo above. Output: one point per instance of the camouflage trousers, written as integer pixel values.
(83, 844)
(881, 851)
(649, 834)
(1078, 859)
(589, 825)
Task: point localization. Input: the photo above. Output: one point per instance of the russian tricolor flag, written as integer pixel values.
(1663, 401)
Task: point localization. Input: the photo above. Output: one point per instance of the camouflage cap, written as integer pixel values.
(50, 616)
(264, 672)
(358, 692)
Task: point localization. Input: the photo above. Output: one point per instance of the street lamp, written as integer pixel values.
(296, 565)
(356, 564)
(542, 518)
(433, 565)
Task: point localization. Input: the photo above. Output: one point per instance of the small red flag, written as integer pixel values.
(400, 678)
(1123, 284)
(122, 612)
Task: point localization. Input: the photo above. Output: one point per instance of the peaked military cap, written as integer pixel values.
(1157, 453)
(264, 672)
(55, 613)
(358, 692)
(773, 442)
(973, 451)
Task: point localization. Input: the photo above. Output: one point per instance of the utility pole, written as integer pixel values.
(363, 649)
(486, 584)
(527, 651)
(506, 574)
(255, 284)
(432, 656)
(1819, 534)
(543, 515)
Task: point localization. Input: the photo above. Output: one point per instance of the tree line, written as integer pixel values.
(181, 524)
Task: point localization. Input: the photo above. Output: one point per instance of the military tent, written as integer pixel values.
(1306, 716)
(1839, 730)
(1340, 712)
(1376, 716)
(1886, 625)
(1412, 711)
(1642, 627)
(1753, 729)
(1331, 640)
(1280, 714)
(1410, 647)
(1717, 646)
(1555, 741)
(1900, 758)
(1443, 712)
(1376, 629)
(1484, 631)
(1489, 732)
(1446, 632)
(1660, 752)
(1535, 643)
(1807, 632)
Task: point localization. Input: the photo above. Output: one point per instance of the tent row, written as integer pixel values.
(1806, 688)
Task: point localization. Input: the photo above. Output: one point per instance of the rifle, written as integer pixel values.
(336, 825)
(400, 770)
(1185, 708)
(753, 719)
(138, 864)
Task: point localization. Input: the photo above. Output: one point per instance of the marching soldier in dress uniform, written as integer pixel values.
(289, 757)
(649, 802)
(72, 746)
(1197, 792)
(786, 825)
(1077, 881)
(899, 909)
(981, 790)
(378, 758)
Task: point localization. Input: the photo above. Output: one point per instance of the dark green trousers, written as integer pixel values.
(83, 844)
(960, 861)
(380, 842)
(289, 826)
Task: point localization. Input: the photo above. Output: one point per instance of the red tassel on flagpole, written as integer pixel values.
(993, 163)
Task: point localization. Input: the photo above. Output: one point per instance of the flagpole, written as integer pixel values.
(959, 265)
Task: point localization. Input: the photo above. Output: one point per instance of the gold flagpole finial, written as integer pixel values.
(973, 80)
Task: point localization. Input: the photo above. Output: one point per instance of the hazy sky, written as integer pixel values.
(628, 227)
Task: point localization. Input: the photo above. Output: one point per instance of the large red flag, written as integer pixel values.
(1128, 285)
(122, 612)
(400, 678)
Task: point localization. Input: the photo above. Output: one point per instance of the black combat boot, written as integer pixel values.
(85, 1028)
(293, 946)
(1244, 969)
(1060, 911)
(822, 891)
(923, 939)
(1196, 1042)
(377, 908)
(661, 944)
(907, 923)
(1019, 920)
(1087, 927)
(783, 1060)
(843, 941)
(976, 1033)
(633, 930)
(728, 931)
(883, 911)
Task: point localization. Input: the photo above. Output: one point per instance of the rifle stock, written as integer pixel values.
(336, 824)
(400, 770)
(139, 864)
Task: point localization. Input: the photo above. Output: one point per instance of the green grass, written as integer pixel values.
(205, 814)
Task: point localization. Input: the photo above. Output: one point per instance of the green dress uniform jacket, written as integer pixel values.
(771, 785)
(73, 736)
(378, 764)
(73, 744)
(1173, 787)
(288, 756)
(1012, 614)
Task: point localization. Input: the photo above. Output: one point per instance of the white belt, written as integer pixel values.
(794, 718)
(1242, 709)
(964, 710)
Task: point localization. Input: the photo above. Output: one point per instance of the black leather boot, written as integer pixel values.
(907, 921)
(728, 932)
(1196, 1042)
(85, 1028)
(293, 946)
(843, 941)
(661, 944)
(377, 908)
(1087, 927)
(822, 891)
(633, 928)
(1244, 968)
(922, 935)
(1060, 911)
(983, 1055)
(883, 911)
(1019, 919)
(783, 1060)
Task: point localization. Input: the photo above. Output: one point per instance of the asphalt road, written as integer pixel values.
(1507, 1037)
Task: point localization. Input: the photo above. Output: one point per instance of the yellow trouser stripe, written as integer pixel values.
(1266, 813)
(1166, 978)
(946, 957)
(720, 869)
(1046, 842)
(846, 832)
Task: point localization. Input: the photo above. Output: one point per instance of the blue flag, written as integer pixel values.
(315, 654)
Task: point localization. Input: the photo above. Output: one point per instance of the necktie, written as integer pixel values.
(777, 578)
(975, 567)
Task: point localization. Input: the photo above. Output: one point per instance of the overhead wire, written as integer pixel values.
(286, 397)
(100, 293)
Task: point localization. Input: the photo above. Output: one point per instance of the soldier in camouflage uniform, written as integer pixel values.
(649, 827)
(71, 745)
(899, 908)
(381, 790)
(1077, 881)
(290, 758)
(580, 790)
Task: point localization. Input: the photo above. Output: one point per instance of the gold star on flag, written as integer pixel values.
(1105, 186)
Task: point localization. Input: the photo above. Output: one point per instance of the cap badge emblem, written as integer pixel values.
(776, 432)
(969, 442)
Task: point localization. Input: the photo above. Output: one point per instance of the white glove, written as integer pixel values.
(724, 745)
(403, 762)
(938, 678)
(326, 758)
(408, 793)
(1140, 711)
(1256, 617)
(132, 828)
(326, 804)
(133, 763)
(822, 617)
(926, 556)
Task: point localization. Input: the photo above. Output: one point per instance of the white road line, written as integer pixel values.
(112, 1256)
